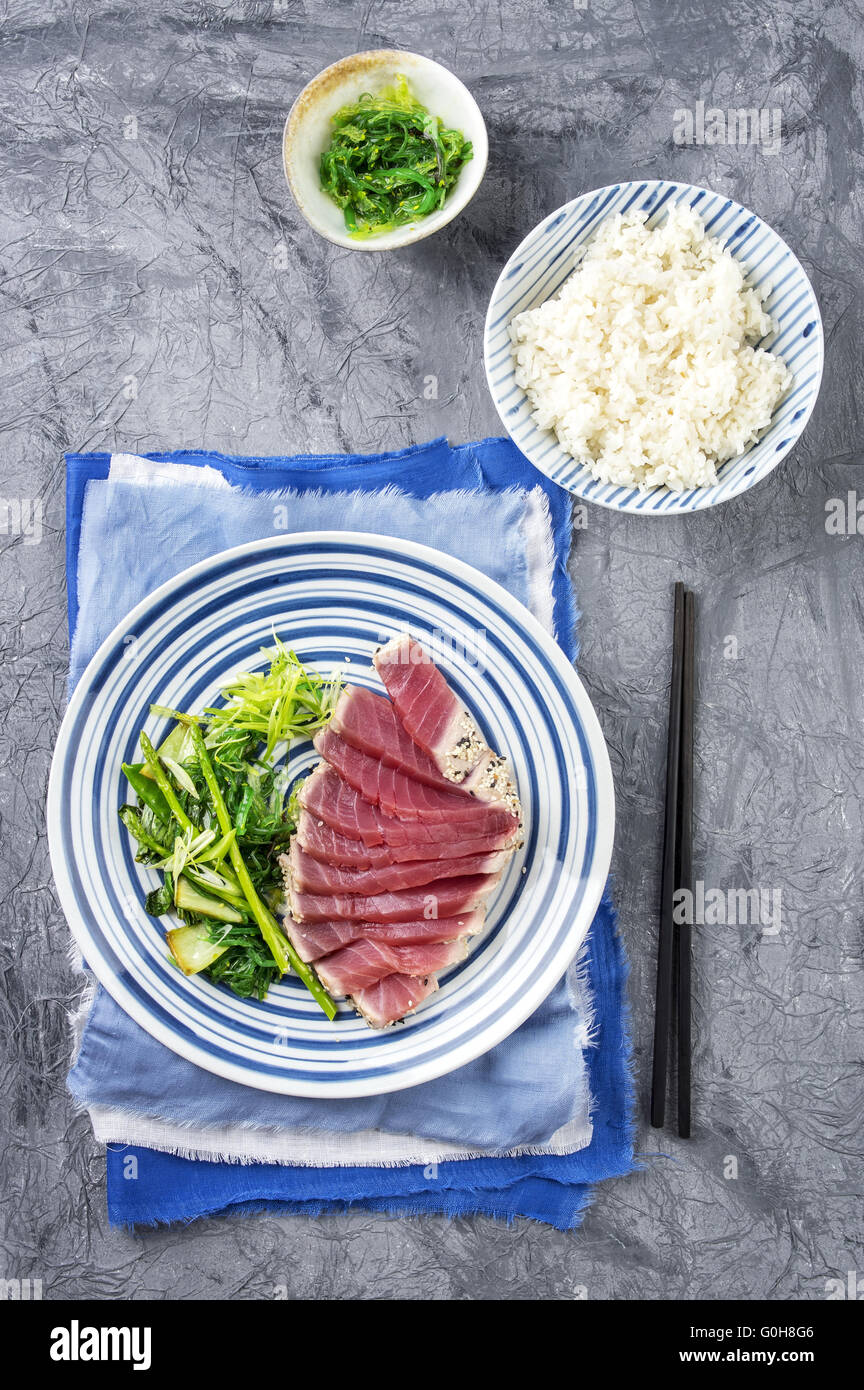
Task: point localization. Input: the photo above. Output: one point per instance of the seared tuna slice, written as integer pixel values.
(370, 723)
(326, 797)
(330, 799)
(491, 781)
(436, 719)
(401, 796)
(359, 965)
(431, 713)
(446, 898)
(328, 845)
(392, 998)
(310, 875)
(313, 940)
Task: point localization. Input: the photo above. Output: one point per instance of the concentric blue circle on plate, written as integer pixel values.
(334, 597)
(540, 265)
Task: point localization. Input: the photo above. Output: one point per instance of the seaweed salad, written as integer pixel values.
(390, 161)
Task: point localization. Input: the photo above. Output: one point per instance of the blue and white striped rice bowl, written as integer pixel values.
(335, 597)
(540, 265)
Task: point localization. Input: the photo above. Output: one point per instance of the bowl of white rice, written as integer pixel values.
(654, 347)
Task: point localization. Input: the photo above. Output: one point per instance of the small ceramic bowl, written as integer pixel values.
(308, 131)
(540, 265)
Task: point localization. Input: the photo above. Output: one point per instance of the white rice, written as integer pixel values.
(641, 364)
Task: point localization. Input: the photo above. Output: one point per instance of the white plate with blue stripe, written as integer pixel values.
(540, 265)
(335, 597)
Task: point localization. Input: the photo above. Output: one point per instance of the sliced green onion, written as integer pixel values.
(181, 776)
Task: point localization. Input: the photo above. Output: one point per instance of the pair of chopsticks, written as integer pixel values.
(675, 941)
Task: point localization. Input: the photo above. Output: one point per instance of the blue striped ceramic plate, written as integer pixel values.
(335, 597)
(538, 269)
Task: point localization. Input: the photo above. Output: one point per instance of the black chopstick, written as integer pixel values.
(685, 861)
(674, 946)
(665, 945)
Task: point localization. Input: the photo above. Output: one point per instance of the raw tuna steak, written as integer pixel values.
(313, 940)
(392, 998)
(359, 965)
(430, 712)
(369, 723)
(398, 795)
(446, 898)
(330, 847)
(328, 798)
(309, 875)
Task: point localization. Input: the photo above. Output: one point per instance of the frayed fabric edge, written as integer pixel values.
(540, 549)
(77, 1017)
(625, 1048)
(132, 468)
(119, 1129)
(482, 1203)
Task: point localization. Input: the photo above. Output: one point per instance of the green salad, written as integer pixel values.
(389, 161)
(211, 812)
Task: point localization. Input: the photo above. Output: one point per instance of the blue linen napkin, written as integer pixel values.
(480, 1104)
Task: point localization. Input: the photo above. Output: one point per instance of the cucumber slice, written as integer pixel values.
(192, 949)
(176, 745)
(189, 898)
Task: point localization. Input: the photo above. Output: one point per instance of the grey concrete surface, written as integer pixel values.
(158, 289)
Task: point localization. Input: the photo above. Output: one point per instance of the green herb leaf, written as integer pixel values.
(161, 900)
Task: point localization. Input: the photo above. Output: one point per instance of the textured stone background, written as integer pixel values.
(155, 252)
